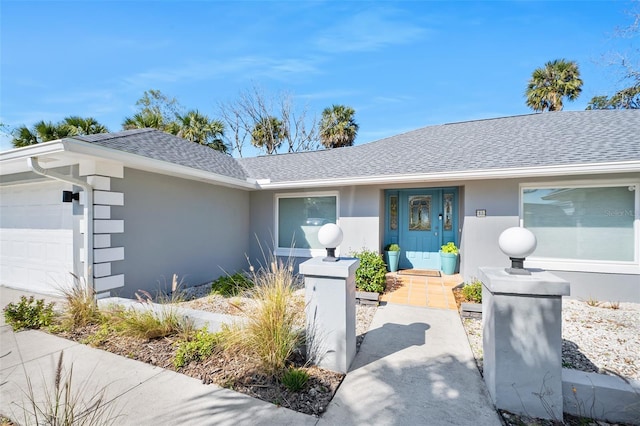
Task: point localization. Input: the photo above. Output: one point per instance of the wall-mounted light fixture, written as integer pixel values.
(68, 196)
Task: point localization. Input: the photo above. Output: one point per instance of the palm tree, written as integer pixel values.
(146, 120)
(268, 133)
(23, 136)
(42, 131)
(84, 126)
(196, 127)
(45, 131)
(338, 127)
(549, 85)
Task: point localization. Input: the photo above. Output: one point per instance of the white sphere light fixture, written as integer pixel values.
(517, 243)
(330, 236)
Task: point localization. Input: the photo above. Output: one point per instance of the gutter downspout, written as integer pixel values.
(88, 214)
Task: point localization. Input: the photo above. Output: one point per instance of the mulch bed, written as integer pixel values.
(237, 373)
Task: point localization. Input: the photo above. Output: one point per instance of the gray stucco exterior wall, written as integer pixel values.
(178, 226)
(362, 219)
(501, 199)
(360, 213)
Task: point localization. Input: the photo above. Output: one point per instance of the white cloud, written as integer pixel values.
(368, 31)
(250, 66)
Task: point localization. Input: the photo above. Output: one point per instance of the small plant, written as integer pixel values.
(147, 324)
(81, 308)
(64, 406)
(28, 313)
(392, 247)
(473, 291)
(269, 335)
(450, 248)
(371, 275)
(200, 347)
(295, 379)
(593, 302)
(231, 285)
(614, 305)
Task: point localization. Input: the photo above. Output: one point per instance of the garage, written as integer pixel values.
(36, 236)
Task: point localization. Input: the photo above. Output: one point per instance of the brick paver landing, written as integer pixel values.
(421, 290)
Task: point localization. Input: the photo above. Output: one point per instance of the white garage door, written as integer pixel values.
(36, 237)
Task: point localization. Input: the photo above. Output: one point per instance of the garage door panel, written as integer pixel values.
(36, 237)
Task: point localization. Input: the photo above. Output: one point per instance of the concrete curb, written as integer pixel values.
(600, 396)
(211, 320)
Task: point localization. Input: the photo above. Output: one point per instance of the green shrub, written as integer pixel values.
(200, 347)
(450, 247)
(371, 275)
(146, 324)
(28, 313)
(295, 379)
(231, 285)
(392, 247)
(473, 291)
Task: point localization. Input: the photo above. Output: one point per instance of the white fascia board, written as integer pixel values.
(153, 165)
(15, 160)
(563, 170)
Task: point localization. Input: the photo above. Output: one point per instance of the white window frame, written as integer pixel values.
(301, 252)
(576, 265)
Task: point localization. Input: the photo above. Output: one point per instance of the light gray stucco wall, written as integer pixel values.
(479, 244)
(173, 225)
(360, 213)
(362, 220)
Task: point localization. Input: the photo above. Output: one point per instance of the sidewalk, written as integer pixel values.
(414, 367)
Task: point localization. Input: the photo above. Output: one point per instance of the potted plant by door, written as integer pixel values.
(448, 258)
(393, 256)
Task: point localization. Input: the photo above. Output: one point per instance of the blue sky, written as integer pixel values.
(400, 65)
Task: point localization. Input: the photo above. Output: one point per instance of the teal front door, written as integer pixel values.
(420, 221)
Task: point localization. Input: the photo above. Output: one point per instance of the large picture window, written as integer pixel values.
(585, 223)
(299, 217)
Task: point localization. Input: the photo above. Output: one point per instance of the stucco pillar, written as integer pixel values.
(330, 295)
(522, 341)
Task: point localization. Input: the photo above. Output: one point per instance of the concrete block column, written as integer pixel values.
(330, 294)
(522, 341)
(99, 176)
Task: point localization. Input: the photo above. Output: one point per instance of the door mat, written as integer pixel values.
(420, 272)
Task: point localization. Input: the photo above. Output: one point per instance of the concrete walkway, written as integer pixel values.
(414, 367)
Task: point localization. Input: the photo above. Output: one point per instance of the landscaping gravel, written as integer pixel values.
(595, 338)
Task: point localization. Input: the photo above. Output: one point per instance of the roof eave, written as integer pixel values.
(153, 165)
(35, 150)
(462, 175)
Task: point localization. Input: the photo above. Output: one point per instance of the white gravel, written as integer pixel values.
(595, 338)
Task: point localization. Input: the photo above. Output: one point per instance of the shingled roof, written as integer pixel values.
(158, 145)
(546, 139)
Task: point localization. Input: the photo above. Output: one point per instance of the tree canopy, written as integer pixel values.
(338, 127)
(250, 118)
(199, 128)
(268, 133)
(158, 111)
(627, 97)
(45, 131)
(549, 85)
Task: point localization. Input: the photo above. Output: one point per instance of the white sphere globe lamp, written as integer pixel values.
(517, 243)
(330, 236)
